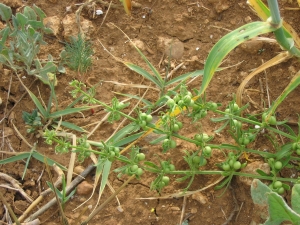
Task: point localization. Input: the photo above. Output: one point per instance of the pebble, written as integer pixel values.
(78, 169)
(53, 23)
(252, 46)
(84, 188)
(175, 50)
(251, 168)
(199, 197)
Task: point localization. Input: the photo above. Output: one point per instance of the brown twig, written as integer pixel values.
(16, 185)
(11, 212)
(71, 187)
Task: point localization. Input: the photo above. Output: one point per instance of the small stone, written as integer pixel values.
(29, 183)
(252, 46)
(71, 28)
(248, 19)
(78, 169)
(175, 208)
(221, 6)
(84, 188)
(175, 50)
(139, 44)
(199, 197)
(54, 23)
(194, 210)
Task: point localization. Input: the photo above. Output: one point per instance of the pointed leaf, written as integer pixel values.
(50, 162)
(38, 104)
(29, 13)
(69, 111)
(15, 158)
(39, 12)
(228, 43)
(144, 73)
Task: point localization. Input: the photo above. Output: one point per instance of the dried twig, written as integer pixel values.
(71, 187)
(16, 185)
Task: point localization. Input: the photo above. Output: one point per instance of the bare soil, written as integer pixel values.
(196, 26)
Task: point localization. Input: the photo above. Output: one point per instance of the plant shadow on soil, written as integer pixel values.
(197, 29)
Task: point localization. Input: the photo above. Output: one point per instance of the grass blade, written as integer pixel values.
(50, 162)
(228, 43)
(15, 158)
(71, 126)
(291, 86)
(68, 111)
(144, 73)
(38, 104)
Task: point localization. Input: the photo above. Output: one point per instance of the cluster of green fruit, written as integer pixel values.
(232, 163)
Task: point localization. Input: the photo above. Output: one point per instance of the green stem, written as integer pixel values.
(279, 33)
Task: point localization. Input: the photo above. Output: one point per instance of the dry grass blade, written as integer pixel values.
(131, 85)
(272, 62)
(182, 194)
(11, 212)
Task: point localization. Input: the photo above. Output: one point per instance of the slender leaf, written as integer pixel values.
(291, 86)
(128, 139)
(71, 126)
(15, 158)
(50, 162)
(38, 104)
(68, 111)
(22, 20)
(123, 132)
(228, 43)
(145, 74)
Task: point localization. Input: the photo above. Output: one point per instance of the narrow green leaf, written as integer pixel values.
(145, 74)
(38, 104)
(68, 111)
(27, 163)
(153, 69)
(157, 140)
(5, 12)
(296, 198)
(146, 102)
(128, 139)
(105, 174)
(4, 34)
(228, 43)
(71, 126)
(50, 162)
(123, 132)
(15, 158)
(291, 86)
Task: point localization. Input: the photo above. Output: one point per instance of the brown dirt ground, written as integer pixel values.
(196, 28)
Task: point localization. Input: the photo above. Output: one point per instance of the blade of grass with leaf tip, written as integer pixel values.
(228, 43)
(69, 111)
(146, 102)
(291, 86)
(38, 104)
(50, 162)
(15, 158)
(123, 132)
(71, 126)
(128, 139)
(144, 73)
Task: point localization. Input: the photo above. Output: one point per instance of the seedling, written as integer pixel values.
(78, 54)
